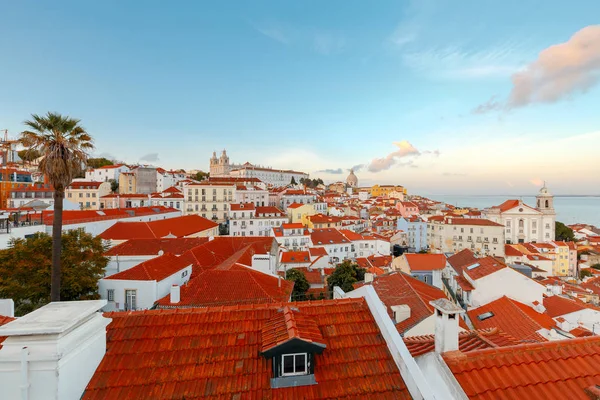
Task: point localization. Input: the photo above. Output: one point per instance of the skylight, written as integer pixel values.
(473, 266)
(485, 315)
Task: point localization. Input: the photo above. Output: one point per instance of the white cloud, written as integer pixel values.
(328, 43)
(559, 71)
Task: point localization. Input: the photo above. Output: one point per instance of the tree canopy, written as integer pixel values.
(301, 284)
(99, 162)
(26, 264)
(563, 232)
(311, 183)
(293, 181)
(585, 273)
(345, 276)
(200, 176)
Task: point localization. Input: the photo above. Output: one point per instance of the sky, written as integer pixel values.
(441, 96)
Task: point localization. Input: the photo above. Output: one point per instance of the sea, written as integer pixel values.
(569, 209)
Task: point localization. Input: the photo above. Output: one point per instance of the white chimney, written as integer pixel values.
(446, 325)
(401, 312)
(539, 307)
(53, 352)
(175, 294)
(368, 277)
(7, 307)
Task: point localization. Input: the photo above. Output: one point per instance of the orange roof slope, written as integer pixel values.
(559, 369)
(426, 262)
(155, 269)
(558, 305)
(177, 227)
(236, 285)
(467, 341)
(461, 259)
(515, 318)
(288, 325)
(146, 247)
(397, 288)
(4, 320)
(290, 257)
(483, 267)
(213, 253)
(214, 353)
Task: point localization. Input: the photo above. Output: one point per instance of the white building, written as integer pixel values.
(209, 199)
(451, 234)
(292, 236)
(139, 287)
(252, 194)
(524, 223)
(248, 220)
(106, 173)
(221, 167)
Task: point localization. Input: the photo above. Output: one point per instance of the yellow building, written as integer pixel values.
(320, 221)
(560, 266)
(385, 190)
(127, 183)
(297, 212)
(87, 194)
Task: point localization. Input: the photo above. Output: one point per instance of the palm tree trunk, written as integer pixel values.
(59, 195)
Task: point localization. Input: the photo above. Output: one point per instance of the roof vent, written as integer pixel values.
(470, 267)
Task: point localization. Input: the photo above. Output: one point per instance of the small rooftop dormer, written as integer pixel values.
(291, 340)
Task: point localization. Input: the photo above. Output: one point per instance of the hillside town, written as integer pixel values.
(254, 282)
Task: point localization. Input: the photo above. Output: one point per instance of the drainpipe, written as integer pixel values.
(24, 374)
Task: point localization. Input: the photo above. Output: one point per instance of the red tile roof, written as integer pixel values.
(467, 341)
(261, 211)
(214, 353)
(487, 265)
(229, 249)
(558, 305)
(510, 251)
(295, 205)
(78, 185)
(313, 276)
(147, 247)
(156, 269)
(178, 227)
(426, 262)
(4, 320)
(464, 283)
(290, 324)
(242, 207)
(235, 285)
(397, 288)
(515, 318)
(326, 236)
(296, 225)
(324, 219)
(289, 257)
(471, 221)
(461, 259)
(551, 370)
(317, 251)
(86, 216)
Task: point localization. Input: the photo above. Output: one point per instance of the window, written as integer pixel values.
(184, 274)
(130, 299)
(294, 364)
(110, 294)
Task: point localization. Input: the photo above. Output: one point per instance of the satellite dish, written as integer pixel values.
(160, 252)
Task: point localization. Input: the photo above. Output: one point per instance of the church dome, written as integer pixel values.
(352, 180)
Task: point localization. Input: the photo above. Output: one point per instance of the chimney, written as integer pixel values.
(53, 352)
(539, 307)
(7, 307)
(368, 277)
(401, 312)
(175, 294)
(446, 325)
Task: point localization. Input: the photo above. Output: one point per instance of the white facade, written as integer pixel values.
(450, 237)
(209, 200)
(105, 174)
(146, 292)
(524, 223)
(252, 194)
(505, 282)
(249, 221)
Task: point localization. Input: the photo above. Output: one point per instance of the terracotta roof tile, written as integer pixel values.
(290, 324)
(178, 227)
(147, 247)
(214, 353)
(156, 269)
(467, 341)
(515, 318)
(290, 257)
(461, 259)
(426, 262)
(558, 305)
(550, 370)
(483, 267)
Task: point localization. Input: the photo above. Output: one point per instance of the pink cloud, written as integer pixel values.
(404, 149)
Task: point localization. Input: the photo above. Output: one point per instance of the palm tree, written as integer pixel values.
(63, 144)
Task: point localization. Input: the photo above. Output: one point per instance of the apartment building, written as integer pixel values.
(209, 199)
(451, 234)
(87, 194)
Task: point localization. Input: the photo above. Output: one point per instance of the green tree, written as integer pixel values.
(563, 232)
(64, 145)
(293, 181)
(345, 276)
(301, 284)
(26, 265)
(28, 155)
(99, 162)
(585, 273)
(114, 185)
(200, 176)
(595, 266)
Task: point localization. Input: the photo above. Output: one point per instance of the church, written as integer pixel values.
(524, 223)
(221, 167)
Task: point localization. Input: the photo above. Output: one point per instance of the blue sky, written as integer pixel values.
(320, 86)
